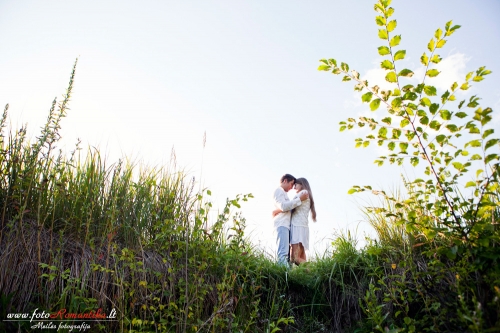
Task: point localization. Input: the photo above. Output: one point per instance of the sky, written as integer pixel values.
(153, 76)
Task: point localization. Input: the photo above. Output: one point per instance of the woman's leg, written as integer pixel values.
(299, 256)
(302, 252)
(294, 253)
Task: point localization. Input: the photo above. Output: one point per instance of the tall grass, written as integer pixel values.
(79, 233)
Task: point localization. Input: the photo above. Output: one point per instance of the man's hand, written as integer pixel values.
(276, 212)
(304, 196)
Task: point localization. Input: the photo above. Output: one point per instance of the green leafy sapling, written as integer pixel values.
(421, 126)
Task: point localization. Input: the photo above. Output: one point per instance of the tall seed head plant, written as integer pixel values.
(423, 126)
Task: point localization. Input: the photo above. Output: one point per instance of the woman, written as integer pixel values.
(299, 230)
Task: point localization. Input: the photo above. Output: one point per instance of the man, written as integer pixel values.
(282, 220)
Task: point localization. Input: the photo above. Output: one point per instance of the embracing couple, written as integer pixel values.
(291, 219)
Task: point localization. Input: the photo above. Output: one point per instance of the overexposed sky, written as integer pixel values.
(153, 75)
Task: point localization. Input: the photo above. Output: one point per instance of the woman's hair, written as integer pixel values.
(305, 184)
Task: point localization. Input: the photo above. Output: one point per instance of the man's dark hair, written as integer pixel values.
(288, 177)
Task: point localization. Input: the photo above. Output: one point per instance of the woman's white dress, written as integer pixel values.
(299, 231)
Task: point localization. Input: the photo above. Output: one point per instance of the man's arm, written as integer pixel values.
(281, 202)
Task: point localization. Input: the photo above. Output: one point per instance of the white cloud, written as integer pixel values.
(496, 108)
(452, 69)
(353, 102)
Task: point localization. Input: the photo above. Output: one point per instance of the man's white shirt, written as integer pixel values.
(281, 201)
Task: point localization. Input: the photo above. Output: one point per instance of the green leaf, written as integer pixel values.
(389, 12)
(424, 120)
(367, 97)
(410, 96)
(448, 25)
(436, 59)
(470, 184)
(400, 55)
(430, 46)
(344, 67)
(433, 108)
(386, 64)
(382, 34)
(432, 72)
(444, 96)
(490, 158)
(424, 59)
(404, 122)
(440, 44)
(324, 68)
(391, 145)
(382, 133)
(387, 120)
(491, 143)
(421, 113)
(346, 78)
(395, 40)
(352, 190)
(406, 73)
(438, 33)
(440, 138)
(375, 104)
(457, 165)
(445, 114)
(476, 157)
(383, 50)
(486, 72)
(461, 115)
(380, 20)
(430, 90)
(391, 77)
(403, 146)
(473, 143)
(392, 25)
(336, 71)
(396, 102)
(425, 101)
(378, 8)
(452, 128)
(488, 132)
(435, 125)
